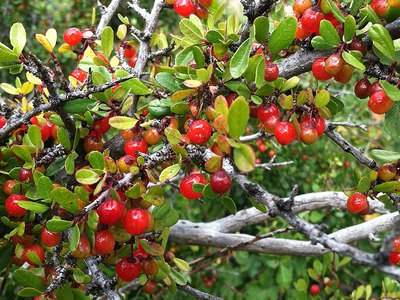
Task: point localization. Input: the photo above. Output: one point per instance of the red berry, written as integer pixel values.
(103, 125)
(285, 133)
(375, 87)
(201, 12)
(317, 122)
(265, 112)
(83, 249)
(34, 249)
(132, 61)
(184, 7)
(150, 286)
(270, 123)
(356, 203)
(129, 50)
(396, 244)
(311, 20)
(358, 46)
(381, 7)
(333, 64)
(139, 253)
(50, 238)
(12, 207)
(300, 6)
(110, 212)
(308, 135)
(45, 132)
(186, 186)
(136, 221)
(380, 103)
(133, 146)
(271, 72)
(314, 289)
(25, 175)
(79, 75)
(394, 257)
(72, 36)
(3, 121)
(9, 187)
(301, 33)
(331, 18)
(361, 88)
(205, 3)
(345, 74)
(151, 136)
(128, 269)
(199, 132)
(220, 182)
(318, 69)
(104, 242)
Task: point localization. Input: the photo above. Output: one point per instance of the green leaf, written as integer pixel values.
(56, 166)
(184, 57)
(363, 185)
(238, 117)
(322, 98)
(391, 91)
(262, 27)
(160, 108)
(329, 33)
(349, 28)
(18, 37)
(29, 292)
(107, 41)
(382, 40)
(21, 152)
(175, 275)
(351, 60)
(26, 278)
(229, 204)
(122, 122)
(70, 163)
(8, 88)
(214, 36)
(7, 55)
(96, 160)
(86, 176)
(75, 236)
(336, 11)
(33, 206)
(260, 73)
(191, 31)
(58, 225)
(388, 187)
(66, 199)
(173, 136)
(181, 264)
(78, 106)
(168, 81)
(155, 195)
(283, 36)
(290, 83)
(386, 156)
(134, 85)
(240, 59)
(319, 43)
(35, 136)
(392, 117)
(169, 172)
(244, 158)
(152, 248)
(63, 138)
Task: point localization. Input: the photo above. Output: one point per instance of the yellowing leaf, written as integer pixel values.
(64, 48)
(122, 123)
(192, 83)
(26, 88)
(44, 42)
(33, 79)
(51, 36)
(8, 88)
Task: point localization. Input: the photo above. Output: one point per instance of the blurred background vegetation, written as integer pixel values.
(319, 167)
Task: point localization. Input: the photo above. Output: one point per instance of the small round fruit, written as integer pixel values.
(220, 182)
(79, 75)
(356, 203)
(126, 162)
(333, 64)
(186, 186)
(104, 242)
(9, 187)
(50, 238)
(133, 146)
(358, 46)
(361, 88)
(184, 7)
(380, 103)
(300, 6)
(314, 289)
(374, 87)
(151, 136)
(12, 207)
(205, 3)
(102, 126)
(265, 112)
(345, 74)
(110, 212)
(285, 133)
(311, 20)
(72, 36)
(150, 286)
(317, 122)
(301, 33)
(32, 250)
(394, 257)
(136, 221)
(25, 175)
(3, 121)
(308, 135)
(128, 269)
(140, 253)
(271, 72)
(201, 12)
(83, 249)
(381, 7)
(92, 143)
(199, 132)
(387, 172)
(132, 61)
(318, 69)
(150, 266)
(270, 123)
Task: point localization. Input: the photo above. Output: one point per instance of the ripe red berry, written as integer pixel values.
(358, 46)
(45, 132)
(375, 87)
(345, 74)
(270, 123)
(12, 207)
(9, 187)
(361, 88)
(285, 133)
(316, 122)
(318, 69)
(110, 212)
(83, 249)
(128, 268)
(139, 253)
(333, 64)
(186, 186)
(380, 103)
(301, 33)
(220, 182)
(381, 7)
(129, 50)
(34, 249)
(136, 221)
(104, 242)
(311, 20)
(356, 203)
(199, 132)
(132, 61)
(201, 12)
(25, 175)
(50, 238)
(205, 3)
(151, 136)
(102, 126)
(133, 146)
(394, 257)
(184, 7)
(314, 289)
(265, 112)
(150, 286)
(3, 121)
(79, 75)
(72, 36)
(308, 135)
(300, 6)
(271, 72)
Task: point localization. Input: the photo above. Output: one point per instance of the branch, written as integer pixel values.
(196, 293)
(106, 15)
(140, 11)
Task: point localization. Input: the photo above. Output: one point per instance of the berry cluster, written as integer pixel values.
(185, 8)
(332, 67)
(378, 102)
